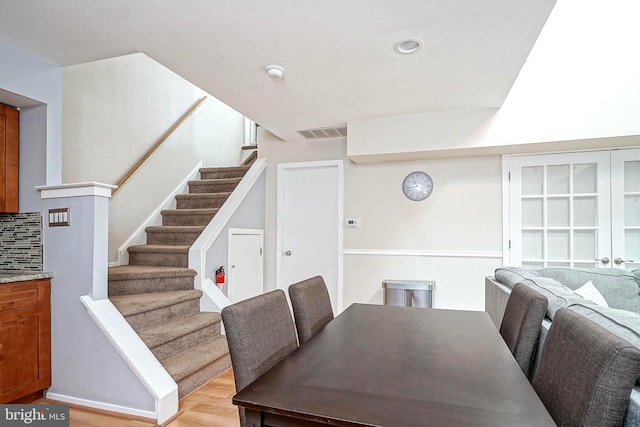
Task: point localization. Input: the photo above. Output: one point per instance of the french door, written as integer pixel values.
(625, 203)
(575, 210)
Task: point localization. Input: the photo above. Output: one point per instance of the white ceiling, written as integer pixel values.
(338, 54)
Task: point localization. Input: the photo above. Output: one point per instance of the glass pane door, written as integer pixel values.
(559, 210)
(625, 203)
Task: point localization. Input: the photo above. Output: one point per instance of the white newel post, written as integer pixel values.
(99, 195)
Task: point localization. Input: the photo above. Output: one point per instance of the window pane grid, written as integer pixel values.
(554, 242)
(631, 196)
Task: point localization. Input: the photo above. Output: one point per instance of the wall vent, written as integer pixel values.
(321, 133)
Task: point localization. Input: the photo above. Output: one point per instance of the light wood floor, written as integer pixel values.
(209, 406)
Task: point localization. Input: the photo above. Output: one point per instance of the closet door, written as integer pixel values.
(625, 203)
(559, 210)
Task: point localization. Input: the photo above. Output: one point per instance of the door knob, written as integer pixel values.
(288, 253)
(619, 260)
(604, 260)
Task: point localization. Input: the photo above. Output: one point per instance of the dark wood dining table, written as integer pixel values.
(392, 366)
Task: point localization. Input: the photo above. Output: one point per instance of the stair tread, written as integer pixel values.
(130, 305)
(216, 195)
(223, 168)
(190, 211)
(193, 359)
(176, 249)
(169, 331)
(175, 228)
(215, 181)
(124, 272)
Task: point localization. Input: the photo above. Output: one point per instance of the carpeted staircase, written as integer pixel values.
(156, 294)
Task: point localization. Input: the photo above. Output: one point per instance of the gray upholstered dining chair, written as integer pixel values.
(260, 333)
(311, 306)
(520, 327)
(586, 372)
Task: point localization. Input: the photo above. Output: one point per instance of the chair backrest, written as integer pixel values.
(586, 372)
(260, 333)
(311, 306)
(521, 324)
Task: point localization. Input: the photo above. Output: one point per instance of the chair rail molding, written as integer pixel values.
(422, 253)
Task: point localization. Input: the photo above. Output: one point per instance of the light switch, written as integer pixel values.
(58, 217)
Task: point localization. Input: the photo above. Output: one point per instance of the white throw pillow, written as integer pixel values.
(590, 292)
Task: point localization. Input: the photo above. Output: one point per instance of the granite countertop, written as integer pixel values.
(10, 276)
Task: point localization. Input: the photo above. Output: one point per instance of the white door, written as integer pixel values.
(310, 225)
(560, 210)
(625, 201)
(245, 278)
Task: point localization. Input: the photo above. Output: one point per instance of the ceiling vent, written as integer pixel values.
(322, 133)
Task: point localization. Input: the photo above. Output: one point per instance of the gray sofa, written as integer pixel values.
(619, 288)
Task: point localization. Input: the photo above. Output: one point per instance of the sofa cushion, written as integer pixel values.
(632, 417)
(590, 292)
(620, 288)
(512, 275)
(558, 295)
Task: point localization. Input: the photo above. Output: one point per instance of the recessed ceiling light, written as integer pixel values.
(408, 45)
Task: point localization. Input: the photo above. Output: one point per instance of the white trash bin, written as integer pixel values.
(408, 293)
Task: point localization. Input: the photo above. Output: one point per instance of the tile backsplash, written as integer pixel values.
(21, 241)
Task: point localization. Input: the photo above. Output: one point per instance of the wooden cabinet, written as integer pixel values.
(9, 159)
(25, 339)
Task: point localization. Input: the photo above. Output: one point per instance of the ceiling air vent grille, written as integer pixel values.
(320, 133)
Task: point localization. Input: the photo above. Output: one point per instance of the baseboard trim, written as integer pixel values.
(101, 406)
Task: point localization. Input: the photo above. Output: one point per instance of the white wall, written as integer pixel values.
(577, 90)
(418, 136)
(581, 78)
(578, 85)
(115, 109)
(84, 365)
(454, 237)
(246, 216)
(35, 85)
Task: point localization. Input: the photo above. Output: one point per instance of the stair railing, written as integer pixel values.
(157, 145)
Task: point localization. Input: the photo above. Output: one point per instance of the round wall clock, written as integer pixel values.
(417, 186)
